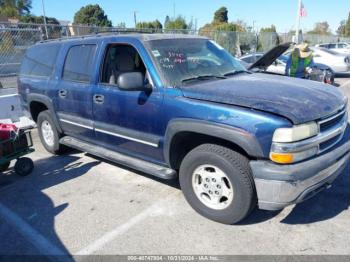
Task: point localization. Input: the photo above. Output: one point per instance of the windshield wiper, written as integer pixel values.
(202, 78)
(236, 72)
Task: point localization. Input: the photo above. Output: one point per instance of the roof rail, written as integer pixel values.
(111, 32)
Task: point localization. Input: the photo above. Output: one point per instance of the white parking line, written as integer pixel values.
(113, 234)
(43, 245)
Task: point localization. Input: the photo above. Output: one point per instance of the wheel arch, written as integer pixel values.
(183, 135)
(38, 103)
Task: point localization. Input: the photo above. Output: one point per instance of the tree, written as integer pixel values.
(38, 20)
(220, 23)
(121, 25)
(53, 31)
(229, 38)
(341, 29)
(177, 24)
(271, 29)
(15, 8)
(167, 19)
(221, 15)
(23, 7)
(149, 25)
(347, 27)
(92, 15)
(321, 28)
(268, 38)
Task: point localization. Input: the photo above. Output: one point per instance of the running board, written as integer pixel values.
(135, 163)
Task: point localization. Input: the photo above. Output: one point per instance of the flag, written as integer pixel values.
(302, 10)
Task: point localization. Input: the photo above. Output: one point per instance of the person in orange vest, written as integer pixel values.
(300, 62)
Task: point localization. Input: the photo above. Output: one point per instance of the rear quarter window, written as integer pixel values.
(79, 63)
(40, 60)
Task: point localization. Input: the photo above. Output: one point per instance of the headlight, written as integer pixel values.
(295, 133)
(292, 136)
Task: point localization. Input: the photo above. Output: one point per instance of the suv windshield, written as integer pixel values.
(186, 61)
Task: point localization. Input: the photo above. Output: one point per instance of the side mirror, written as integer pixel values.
(133, 81)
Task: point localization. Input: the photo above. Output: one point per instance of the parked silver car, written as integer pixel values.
(341, 47)
(340, 63)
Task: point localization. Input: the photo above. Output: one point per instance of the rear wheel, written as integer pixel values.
(217, 182)
(48, 133)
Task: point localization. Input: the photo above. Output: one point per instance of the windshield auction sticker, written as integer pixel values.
(155, 53)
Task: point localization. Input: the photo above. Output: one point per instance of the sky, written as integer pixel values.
(261, 13)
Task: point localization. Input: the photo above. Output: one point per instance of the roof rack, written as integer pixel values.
(111, 32)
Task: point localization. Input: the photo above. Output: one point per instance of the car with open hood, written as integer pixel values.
(275, 61)
(182, 107)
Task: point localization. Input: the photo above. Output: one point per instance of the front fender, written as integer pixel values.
(240, 137)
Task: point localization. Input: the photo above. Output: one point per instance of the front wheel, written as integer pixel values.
(217, 182)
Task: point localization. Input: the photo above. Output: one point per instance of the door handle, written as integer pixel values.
(62, 93)
(99, 99)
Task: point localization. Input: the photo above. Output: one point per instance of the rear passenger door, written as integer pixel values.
(74, 91)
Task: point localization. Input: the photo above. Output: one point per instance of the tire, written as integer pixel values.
(4, 167)
(220, 161)
(53, 146)
(24, 166)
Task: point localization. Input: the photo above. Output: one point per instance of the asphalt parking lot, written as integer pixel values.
(77, 204)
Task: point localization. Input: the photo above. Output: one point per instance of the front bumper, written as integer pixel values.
(278, 186)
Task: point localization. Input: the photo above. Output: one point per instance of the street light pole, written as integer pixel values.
(47, 35)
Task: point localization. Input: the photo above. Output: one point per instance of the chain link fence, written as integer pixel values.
(15, 38)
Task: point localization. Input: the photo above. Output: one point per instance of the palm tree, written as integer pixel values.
(24, 6)
(15, 8)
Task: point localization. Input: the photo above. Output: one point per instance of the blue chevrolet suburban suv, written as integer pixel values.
(181, 106)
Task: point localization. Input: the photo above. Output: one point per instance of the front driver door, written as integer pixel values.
(127, 121)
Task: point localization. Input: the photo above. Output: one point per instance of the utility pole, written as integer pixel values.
(135, 19)
(254, 21)
(47, 35)
(174, 10)
(297, 27)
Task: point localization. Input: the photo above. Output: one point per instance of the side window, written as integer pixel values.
(79, 63)
(40, 60)
(120, 58)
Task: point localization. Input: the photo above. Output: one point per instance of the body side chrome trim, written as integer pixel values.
(111, 133)
(76, 124)
(126, 137)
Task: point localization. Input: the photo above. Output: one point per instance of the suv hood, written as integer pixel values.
(267, 59)
(298, 100)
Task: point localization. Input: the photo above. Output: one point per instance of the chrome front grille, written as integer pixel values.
(330, 122)
(333, 128)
